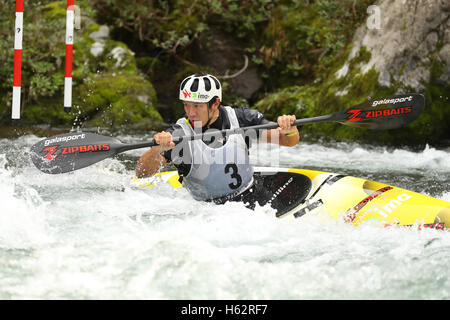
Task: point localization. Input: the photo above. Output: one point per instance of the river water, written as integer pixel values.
(90, 235)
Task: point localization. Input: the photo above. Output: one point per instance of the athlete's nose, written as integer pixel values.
(190, 111)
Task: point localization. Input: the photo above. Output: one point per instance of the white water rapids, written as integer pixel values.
(89, 235)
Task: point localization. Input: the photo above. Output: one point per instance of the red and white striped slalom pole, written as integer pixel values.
(70, 16)
(17, 81)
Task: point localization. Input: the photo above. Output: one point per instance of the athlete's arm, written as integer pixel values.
(152, 160)
(285, 135)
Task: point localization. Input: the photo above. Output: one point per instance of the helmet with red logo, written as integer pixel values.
(200, 87)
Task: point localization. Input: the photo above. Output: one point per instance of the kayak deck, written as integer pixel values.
(298, 193)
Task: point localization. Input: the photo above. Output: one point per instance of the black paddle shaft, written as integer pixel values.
(73, 151)
(379, 114)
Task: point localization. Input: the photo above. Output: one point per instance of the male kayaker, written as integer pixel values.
(215, 169)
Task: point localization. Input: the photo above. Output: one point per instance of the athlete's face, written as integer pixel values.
(196, 111)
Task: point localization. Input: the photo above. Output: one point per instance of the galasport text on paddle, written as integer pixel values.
(73, 151)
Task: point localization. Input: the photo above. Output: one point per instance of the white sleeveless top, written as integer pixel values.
(218, 172)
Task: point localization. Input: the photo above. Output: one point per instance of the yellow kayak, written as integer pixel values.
(298, 193)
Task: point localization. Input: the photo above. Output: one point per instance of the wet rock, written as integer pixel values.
(247, 83)
(406, 43)
(101, 34)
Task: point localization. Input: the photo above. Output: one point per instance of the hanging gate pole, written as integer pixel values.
(69, 56)
(17, 81)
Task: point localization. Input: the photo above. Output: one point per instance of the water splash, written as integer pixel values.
(90, 235)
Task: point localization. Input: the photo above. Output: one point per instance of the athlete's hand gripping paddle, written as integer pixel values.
(73, 151)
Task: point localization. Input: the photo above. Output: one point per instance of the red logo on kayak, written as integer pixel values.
(350, 217)
(360, 205)
(68, 150)
(437, 226)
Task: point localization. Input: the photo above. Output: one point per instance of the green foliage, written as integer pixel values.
(285, 38)
(336, 94)
(110, 100)
(435, 124)
(163, 24)
(292, 100)
(296, 47)
(304, 38)
(123, 94)
(41, 58)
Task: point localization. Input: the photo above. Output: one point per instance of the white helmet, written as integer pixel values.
(200, 87)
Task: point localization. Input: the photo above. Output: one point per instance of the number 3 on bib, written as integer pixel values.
(234, 174)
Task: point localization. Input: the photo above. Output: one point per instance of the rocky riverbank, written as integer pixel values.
(307, 58)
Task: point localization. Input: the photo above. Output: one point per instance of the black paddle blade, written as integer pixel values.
(385, 113)
(72, 151)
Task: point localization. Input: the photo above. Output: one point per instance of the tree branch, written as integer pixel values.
(237, 73)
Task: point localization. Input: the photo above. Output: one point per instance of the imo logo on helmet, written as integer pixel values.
(199, 96)
(195, 95)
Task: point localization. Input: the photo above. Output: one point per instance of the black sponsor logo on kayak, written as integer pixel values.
(359, 114)
(52, 150)
(280, 189)
(308, 208)
(350, 217)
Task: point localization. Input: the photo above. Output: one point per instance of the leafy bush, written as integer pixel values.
(131, 98)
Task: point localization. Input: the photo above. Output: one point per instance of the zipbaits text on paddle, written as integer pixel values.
(51, 151)
(359, 114)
